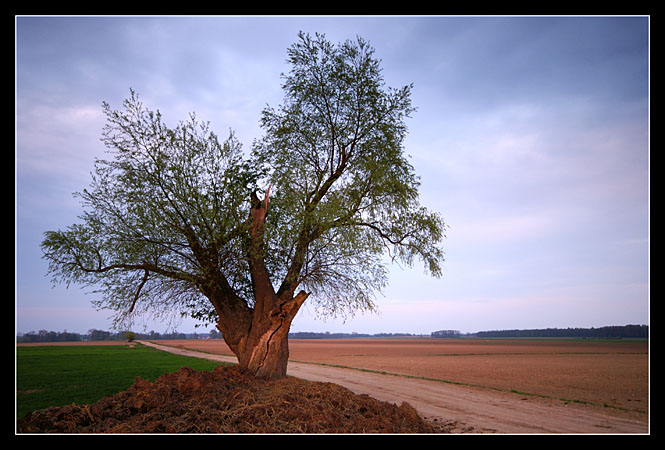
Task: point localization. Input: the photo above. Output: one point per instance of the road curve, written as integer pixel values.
(459, 408)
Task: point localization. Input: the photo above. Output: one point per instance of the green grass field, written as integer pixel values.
(62, 375)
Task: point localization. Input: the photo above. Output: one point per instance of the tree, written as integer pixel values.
(174, 222)
(98, 335)
(129, 335)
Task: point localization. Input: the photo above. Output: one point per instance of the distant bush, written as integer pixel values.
(129, 335)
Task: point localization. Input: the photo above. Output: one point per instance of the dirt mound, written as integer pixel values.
(227, 400)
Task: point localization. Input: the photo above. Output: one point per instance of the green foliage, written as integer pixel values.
(164, 192)
(167, 219)
(129, 335)
(343, 191)
(60, 375)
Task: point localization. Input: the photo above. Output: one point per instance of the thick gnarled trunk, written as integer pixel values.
(266, 349)
(261, 343)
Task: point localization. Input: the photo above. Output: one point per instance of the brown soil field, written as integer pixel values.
(613, 373)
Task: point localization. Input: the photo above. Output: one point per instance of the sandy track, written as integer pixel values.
(460, 408)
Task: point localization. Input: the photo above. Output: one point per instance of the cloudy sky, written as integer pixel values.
(531, 139)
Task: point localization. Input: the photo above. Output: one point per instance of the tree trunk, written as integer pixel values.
(265, 352)
(263, 348)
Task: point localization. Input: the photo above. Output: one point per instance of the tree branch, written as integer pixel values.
(256, 258)
(138, 291)
(148, 267)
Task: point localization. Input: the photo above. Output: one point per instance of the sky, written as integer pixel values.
(531, 139)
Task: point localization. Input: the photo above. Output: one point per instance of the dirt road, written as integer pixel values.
(461, 408)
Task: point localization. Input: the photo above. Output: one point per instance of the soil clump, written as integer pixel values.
(228, 400)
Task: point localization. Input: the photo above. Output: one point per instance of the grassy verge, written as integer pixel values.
(61, 375)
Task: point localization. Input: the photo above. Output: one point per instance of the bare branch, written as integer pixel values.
(138, 291)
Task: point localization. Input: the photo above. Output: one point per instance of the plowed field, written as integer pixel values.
(613, 373)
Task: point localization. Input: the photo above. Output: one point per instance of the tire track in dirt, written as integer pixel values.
(459, 408)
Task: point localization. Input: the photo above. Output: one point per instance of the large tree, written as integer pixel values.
(172, 221)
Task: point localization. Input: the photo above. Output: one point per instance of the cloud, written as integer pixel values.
(60, 139)
(506, 230)
(55, 151)
(531, 139)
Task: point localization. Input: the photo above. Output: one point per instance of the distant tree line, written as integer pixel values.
(624, 331)
(329, 335)
(49, 336)
(446, 333)
(101, 335)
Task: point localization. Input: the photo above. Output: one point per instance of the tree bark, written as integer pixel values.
(260, 339)
(265, 349)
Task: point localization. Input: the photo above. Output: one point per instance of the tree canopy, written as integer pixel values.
(343, 192)
(165, 196)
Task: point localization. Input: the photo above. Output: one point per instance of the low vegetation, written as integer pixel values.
(109, 389)
(62, 375)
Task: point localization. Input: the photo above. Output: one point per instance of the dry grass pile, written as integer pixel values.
(227, 400)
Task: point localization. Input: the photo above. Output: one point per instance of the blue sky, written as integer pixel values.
(531, 139)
